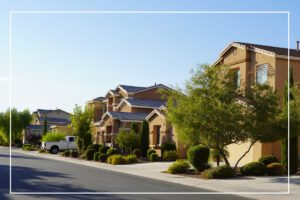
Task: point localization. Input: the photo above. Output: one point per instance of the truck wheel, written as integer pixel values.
(54, 150)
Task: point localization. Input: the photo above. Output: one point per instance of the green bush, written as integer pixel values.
(28, 148)
(89, 154)
(53, 137)
(66, 153)
(149, 152)
(220, 172)
(137, 152)
(103, 149)
(96, 156)
(179, 167)
(26, 145)
(170, 155)
(112, 151)
(43, 151)
(96, 147)
(167, 146)
(198, 157)
(103, 157)
(116, 160)
(131, 159)
(275, 169)
(266, 160)
(74, 154)
(154, 157)
(253, 169)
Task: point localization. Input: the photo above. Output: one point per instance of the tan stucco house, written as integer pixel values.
(124, 105)
(262, 64)
(57, 121)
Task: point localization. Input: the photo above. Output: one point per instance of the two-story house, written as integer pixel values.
(125, 105)
(57, 121)
(264, 65)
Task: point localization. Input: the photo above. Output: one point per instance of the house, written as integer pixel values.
(57, 119)
(255, 63)
(124, 105)
(162, 131)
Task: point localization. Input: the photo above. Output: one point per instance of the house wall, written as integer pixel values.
(62, 129)
(167, 134)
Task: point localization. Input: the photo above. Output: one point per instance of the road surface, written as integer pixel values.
(33, 174)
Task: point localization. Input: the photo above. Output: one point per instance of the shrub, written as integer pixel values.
(167, 146)
(103, 157)
(90, 154)
(179, 167)
(154, 157)
(74, 154)
(116, 159)
(66, 153)
(215, 156)
(253, 169)
(220, 172)
(131, 159)
(149, 152)
(103, 149)
(83, 156)
(112, 151)
(137, 152)
(26, 145)
(170, 155)
(43, 151)
(53, 137)
(198, 157)
(28, 148)
(97, 147)
(266, 160)
(96, 156)
(275, 169)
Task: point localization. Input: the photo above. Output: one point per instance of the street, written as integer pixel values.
(32, 174)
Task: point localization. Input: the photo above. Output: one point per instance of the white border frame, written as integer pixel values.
(142, 12)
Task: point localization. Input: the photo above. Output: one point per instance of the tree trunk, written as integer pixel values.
(224, 156)
(252, 143)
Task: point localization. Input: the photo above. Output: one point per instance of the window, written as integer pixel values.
(262, 74)
(237, 77)
(71, 139)
(157, 134)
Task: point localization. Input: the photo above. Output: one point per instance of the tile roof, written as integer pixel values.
(128, 116)
(55, 120)
(132, 89)
(40, 127)
(276, 50)
(146, 103)
(44, 111)
(99, 99)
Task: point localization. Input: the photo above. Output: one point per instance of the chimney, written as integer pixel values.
(297, 47)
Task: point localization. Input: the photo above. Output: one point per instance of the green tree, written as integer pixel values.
(134, 127)
(19, 120)
(145, 138)
(45, 126)
(211, 110)
(81, 123)
(294, 115)
(128, 141)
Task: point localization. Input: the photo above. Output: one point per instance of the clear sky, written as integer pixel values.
(60, 60)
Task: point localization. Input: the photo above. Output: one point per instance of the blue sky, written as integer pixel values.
(60, 60)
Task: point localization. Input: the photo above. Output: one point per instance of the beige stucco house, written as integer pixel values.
(262, 64)
(124, 105)
(57, 121)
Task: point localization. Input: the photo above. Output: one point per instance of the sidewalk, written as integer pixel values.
(153, 171)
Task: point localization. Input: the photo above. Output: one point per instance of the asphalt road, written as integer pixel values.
(33, 174)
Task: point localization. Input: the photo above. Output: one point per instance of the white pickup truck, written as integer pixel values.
(54, 147)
